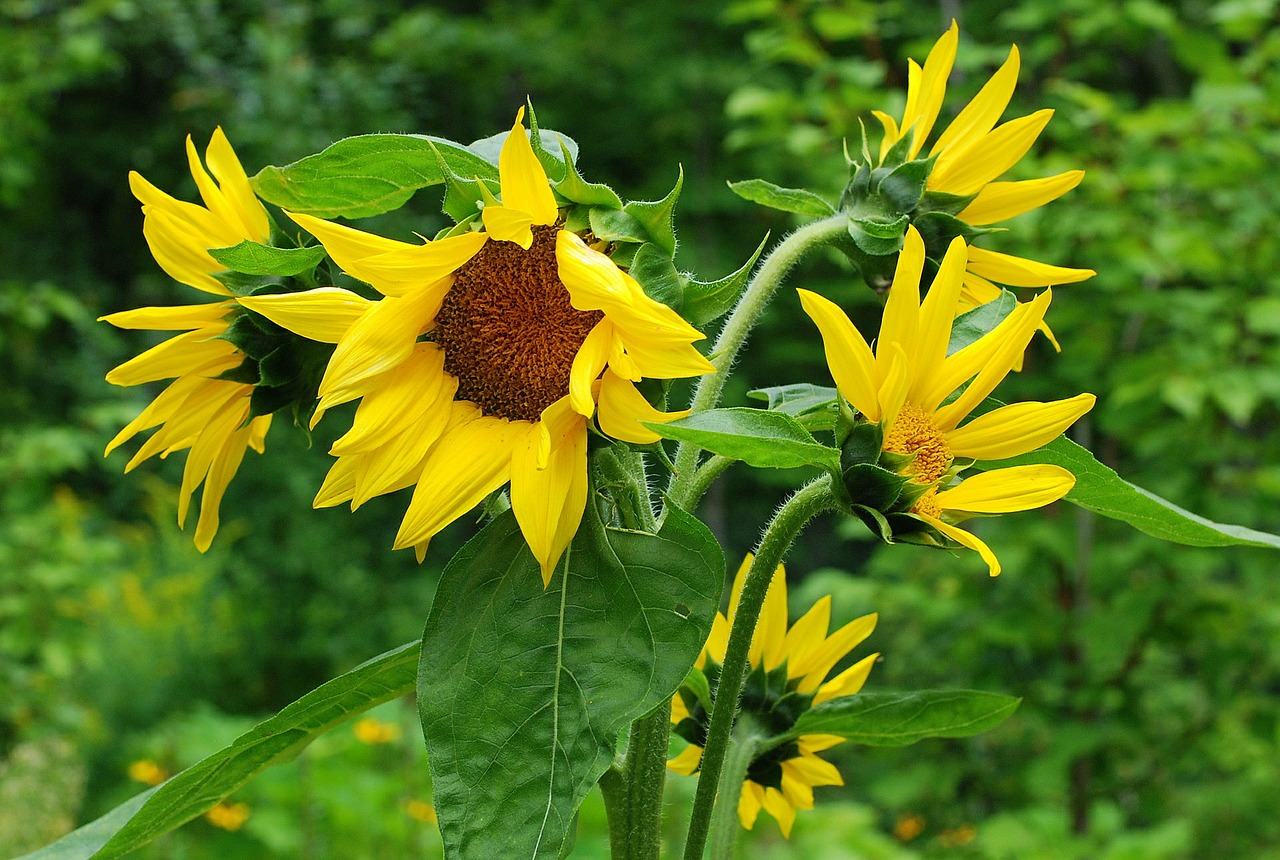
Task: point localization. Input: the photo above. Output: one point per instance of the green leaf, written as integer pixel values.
(199, 788)
(1099, 489)
(254, 258)
(757, 437)
(796, 200)
(658, 216)
(814, 406)
(706, 301)
(616, 225)
(656, 273)
(870, 243)
(490, 148)
(974, 324)
(523, 691)
(899, 719)
(696, 682)
(366, 175)
(904, 185)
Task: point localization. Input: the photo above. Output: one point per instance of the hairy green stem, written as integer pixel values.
(786, 525)
(618, 812)
(754, 299)
(645, 775)
(725, 824)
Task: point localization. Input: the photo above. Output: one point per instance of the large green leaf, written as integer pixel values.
(523, 690)
(254, 258)
(366, 175)
(899, 719)
(757, 437)
(814, 406)
(1098, 488)
(199, 788)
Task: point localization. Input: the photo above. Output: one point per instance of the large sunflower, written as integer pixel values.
(789, 669)
(198, 410)
(973, 152)
(484, 361)
(907, 387)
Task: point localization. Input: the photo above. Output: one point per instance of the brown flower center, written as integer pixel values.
(914, 433)
(508, 331)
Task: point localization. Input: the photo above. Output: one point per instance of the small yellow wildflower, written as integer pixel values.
(148, 772)
(374, 731)
(420, 810)
(908, 827)
(228, 816)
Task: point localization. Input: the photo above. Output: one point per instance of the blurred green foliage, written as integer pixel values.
(1150, 726)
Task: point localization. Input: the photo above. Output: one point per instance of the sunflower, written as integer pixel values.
(788, 676)
(971, 153)
(198, 410)
(907, 387)
(484, 360)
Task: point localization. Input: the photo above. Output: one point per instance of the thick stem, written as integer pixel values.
(754, 299)
(645, 776)
(725, 824)
(778, 536)
(618, 811)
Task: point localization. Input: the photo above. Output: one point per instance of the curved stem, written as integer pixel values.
(757, 295)
(706, 475)
(791, 518)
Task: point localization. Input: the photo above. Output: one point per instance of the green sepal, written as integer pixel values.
(875, 522)
(577, 219)
(872, 486)
(897, 153)
(554, 166)
(938, 229)
(245, 373)
(255, 258)
(876, 269)
(623, 254)
(463, 198)
(463, 226)
(248, 336)
(905, 184)
(883, 228)
(241, 284)
(875, 245)
(941, 201)
(696, 682)
(910, 493)
(657, 275)
(862, 444)
(795, 200)
(616, 225)
(658, 216)
(577, 190)
(859, 185)
(707, 301)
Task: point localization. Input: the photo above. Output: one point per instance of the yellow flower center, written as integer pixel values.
(508, 331)
(914, 433)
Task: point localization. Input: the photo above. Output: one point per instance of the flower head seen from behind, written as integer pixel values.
(908, 393)
(484, 361)
(789, 668)
(200, 411)
(970, 155)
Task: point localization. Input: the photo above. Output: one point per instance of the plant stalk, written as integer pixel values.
(779, 535)
(725, 824)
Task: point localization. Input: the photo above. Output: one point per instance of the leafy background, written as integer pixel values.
(1150, 676)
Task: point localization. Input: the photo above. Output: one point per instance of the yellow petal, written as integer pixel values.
(1017, 428)
(549, 500)
(999, 201)
(749, 804)
(719, 639)
(768, 643)
(966, 539)
(848, 682)
(403, 401)
(807, 634)
(393, 268)
(813, 770)
(508, 225)
(1003, 491)
(230, 230)
(322, 314)
(848, 356)
(196, 352)
(398, 461)
(809, 744)
(932, 89)
(838, 644)
(739, 582)
(622, 408)
(980, 115)
(1021, 272)
(891, 133)
(965, 169)
(214, 436)
(936, 316)
(893, 392)
(215, 485)
(679, 711)
(976, 291)
(234, 183)
(1002, 361)
(339, 485)
(783, 812)
(687, 761)
(658, 359)
(524, 182)
(381, 339)
(588, 364)
(258, 428)
(182, 427)
(171, 318)
(901, 321)
(470, 461)
(964, 364)
(166, 404)
(177, 243)
(797, 792)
